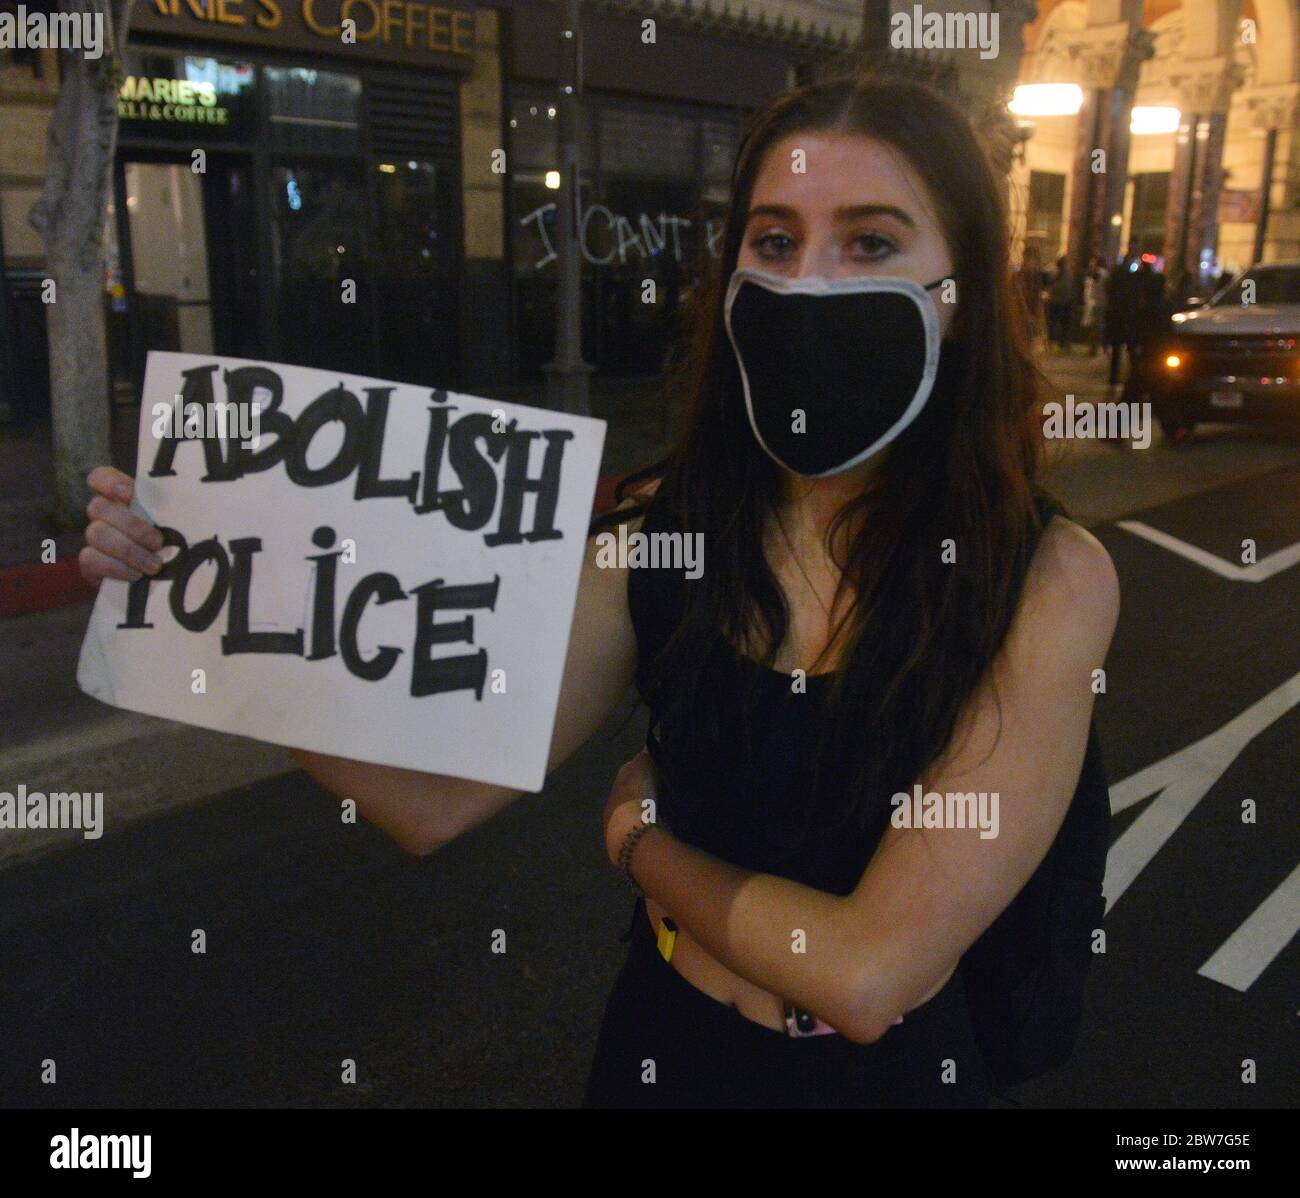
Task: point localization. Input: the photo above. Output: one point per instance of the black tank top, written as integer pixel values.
(743, 796)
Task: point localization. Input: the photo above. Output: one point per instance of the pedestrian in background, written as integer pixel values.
(1121, 312)
(1060, 304)
(1151, 312)
(1093, 319)
(1031, 280)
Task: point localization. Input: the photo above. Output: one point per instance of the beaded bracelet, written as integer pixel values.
(625, 854)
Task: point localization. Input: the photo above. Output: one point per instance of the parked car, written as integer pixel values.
(1235, 358)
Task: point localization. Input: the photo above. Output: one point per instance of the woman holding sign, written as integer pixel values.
(869, 827)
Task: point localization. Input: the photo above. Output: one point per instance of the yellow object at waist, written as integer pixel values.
(666, 937)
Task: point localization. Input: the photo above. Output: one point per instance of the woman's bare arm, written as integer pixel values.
(861, 960)
(422, 811)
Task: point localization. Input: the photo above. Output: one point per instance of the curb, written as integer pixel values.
(38, 587)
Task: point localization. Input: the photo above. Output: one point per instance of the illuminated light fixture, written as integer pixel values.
(1154, 120)
(553, 180)
(388, 168)
(1046, 99)
(550, 112)
(1173, 361)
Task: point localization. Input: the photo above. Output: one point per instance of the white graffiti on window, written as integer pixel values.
(654, 236)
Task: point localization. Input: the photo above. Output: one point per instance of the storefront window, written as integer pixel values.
(313, 110)
(1150, 200)
(646, 144)
(1046, 212)
(321, 267)
(186, 97)
(303, 233)
(653, 196)
(534, 137)
(719, 143)
(164, 203)
(415, 271)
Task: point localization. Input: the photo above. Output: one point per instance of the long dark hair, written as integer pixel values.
(921, 632)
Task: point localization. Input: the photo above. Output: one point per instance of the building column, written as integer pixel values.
(1275, 111)
(991, 85)
(1192, 218)
(485, 343)
(1108, 58)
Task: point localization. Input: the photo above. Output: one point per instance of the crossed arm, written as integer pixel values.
(927, 893)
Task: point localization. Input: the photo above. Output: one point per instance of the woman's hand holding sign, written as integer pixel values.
(119, 544)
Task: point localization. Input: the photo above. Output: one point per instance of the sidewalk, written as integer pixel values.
(636, 434)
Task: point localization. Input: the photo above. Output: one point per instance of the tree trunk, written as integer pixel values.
(70, 219)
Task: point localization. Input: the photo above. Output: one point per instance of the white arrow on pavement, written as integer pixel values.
(1247, 952)
(1182, 780)
(1179, 782)
(1275, 563)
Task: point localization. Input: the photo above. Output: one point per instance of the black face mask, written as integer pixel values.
(833, 370)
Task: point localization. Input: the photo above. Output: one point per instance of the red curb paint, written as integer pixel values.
(27, 589)
(605, 493)
(38, 587)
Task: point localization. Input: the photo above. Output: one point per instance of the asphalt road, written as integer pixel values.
(1207, 661)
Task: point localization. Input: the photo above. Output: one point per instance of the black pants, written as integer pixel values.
(1058, 324)
(1115, 353)
(663, 1043)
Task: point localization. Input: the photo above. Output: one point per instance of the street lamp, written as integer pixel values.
(1154, 119)
(1046, 99)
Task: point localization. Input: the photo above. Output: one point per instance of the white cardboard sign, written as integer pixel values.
(387, 573)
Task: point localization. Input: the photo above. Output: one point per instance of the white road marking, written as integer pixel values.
(1182, 780)
(1275, 563)
(1253, 946)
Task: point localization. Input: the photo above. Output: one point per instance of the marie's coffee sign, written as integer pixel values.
(183, 100)
(409, 31)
